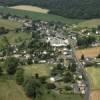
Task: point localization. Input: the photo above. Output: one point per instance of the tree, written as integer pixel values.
(72, 67)
(68, 77)
(29, 61)
(82, 57)
(98, 55)
(11, 65)
(1, 71)
(20, 76)
(51, 86)
(33, 87)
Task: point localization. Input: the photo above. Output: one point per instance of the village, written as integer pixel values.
(50, 45)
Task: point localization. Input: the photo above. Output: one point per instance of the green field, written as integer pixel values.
(41, 69)
(14, 38)
(9, 90)
(39, 16)
(94, 74)
(89, 23)
(9, 24)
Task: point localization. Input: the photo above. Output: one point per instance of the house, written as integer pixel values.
(56, 42)
(42, 61)
(27, 56)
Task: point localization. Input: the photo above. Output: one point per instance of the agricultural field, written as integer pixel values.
(9, 24)
(41, 69)
(39, 16)
(94, 74)
(89, 23)
(14, 38)
(95, 95)
(30, 8)
(88, 52)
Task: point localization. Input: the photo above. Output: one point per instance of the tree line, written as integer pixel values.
(83, 9)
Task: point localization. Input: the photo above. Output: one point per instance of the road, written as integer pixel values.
(81, 69)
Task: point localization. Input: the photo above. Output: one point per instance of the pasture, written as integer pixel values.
(30, 8)
(14, 38)
(89, 23)
(41, 69)
(94, 74)
(9, 90)
(88, 52)
(9, 24)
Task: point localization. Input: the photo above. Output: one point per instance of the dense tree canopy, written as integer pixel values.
(67, 8)
(11, 65)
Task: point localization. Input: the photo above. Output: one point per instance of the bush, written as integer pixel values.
(1, 71)
(43, 79)
(51, 86)
(68, 88)
(11, 65)
(33, 87)
(20, 76)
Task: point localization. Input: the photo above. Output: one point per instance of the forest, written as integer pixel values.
(81, 9)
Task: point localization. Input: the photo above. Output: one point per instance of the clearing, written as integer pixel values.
(88, 52)
(30, 8)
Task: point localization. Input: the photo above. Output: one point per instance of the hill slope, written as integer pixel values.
(67, 8)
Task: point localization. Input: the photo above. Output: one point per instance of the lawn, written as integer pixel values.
(39, 16)
(9, 24)
(30, 8)
(94, 74)
(41, 69)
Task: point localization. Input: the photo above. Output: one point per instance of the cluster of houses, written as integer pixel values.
(14, 18)
(49, 33)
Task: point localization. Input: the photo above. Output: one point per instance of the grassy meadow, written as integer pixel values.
(9, 24)
(94, 74)
(11, 91)
(14, 38)
(89, 23)
(41, 69)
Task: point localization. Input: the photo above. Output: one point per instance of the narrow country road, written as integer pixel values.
(81, 69)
